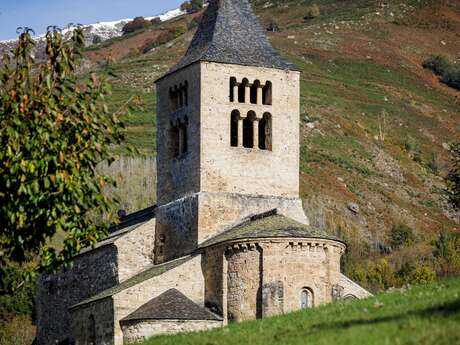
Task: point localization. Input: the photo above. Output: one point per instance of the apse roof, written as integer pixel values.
(171, 305)
(268, 225)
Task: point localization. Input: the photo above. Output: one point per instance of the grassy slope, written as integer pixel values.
(421, 315)
(362, 82)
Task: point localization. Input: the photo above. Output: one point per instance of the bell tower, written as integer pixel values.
(228, 132)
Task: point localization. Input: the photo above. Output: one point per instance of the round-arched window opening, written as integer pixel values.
(306, 298)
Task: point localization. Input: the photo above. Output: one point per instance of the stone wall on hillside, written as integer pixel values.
(187, 278)
(93, 324)
(92, 273)
(135, 250)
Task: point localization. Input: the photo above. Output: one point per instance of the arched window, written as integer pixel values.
(235, 117)
(248, 130)
(265, 132)
(91, 330)
(172, 99)
(183, 141)
(186, 93)
(242, 90)
(176, 97)
(181, 95)
(233, 86)
(306, 298)
(267, 93)
(174, 138)
(254, 91)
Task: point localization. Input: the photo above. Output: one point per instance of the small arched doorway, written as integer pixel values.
(306, 298)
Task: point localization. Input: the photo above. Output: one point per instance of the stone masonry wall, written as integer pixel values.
(266, 277)
(178, 176)
(92, 273)
(244, 282)
(188, 278)
(177, 229)
(137, 332)
(93, 322)
(213, 263)
(186, 223)
(221, 211)
(297, 264)
(250, 171)
(135, 250)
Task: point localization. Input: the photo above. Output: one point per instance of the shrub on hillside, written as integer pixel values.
(376, 276)
(155, 21)
(137, 24)
(438, 64)
(312, 12)
(447, 253)
(433, 163)
(452, 77)
(449, 73)
(401, 235)
(165, 37)
(273, 26)
(192, 6)
(453, 178)
(422, 275)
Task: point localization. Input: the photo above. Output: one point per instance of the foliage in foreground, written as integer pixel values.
(427, 315)
(54, 130)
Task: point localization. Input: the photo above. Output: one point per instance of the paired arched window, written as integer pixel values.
(178, 96)
(306, 298)
(251, 131)
(179, 137)
(255, 93)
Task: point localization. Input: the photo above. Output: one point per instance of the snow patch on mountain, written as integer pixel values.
(102, 31)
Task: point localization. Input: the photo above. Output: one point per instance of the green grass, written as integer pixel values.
(422, 315)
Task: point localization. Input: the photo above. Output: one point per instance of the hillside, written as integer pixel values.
(422, 315)
(375, 125)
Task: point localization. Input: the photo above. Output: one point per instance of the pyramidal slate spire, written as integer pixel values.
(230, 33)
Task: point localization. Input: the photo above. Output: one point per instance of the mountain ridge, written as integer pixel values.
(102, 30)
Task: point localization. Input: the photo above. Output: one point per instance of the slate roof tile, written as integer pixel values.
(268, 225)
(171, 305)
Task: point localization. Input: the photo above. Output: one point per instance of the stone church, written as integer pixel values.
(228, 240)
